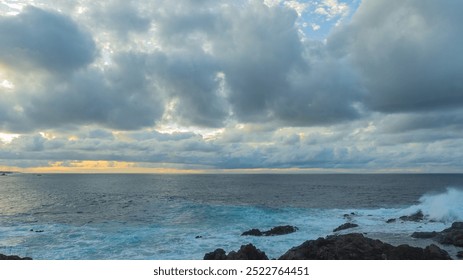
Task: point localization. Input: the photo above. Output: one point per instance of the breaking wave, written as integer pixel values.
(443, 207)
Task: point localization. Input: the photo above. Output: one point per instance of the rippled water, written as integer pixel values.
(77, 216)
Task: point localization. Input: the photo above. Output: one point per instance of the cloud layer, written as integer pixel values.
(220, 84)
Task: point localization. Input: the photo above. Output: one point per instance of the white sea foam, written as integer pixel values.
(220, 226)
(444, 207)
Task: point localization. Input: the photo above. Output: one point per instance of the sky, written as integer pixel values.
(231, 86)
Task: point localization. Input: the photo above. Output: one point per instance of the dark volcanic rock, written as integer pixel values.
(218, 254)
(355, 246)
(417, 217)
(246, 252)
(391, 221)
(433, 252)
(253, 232)
(345, 226)
(5, 257)
(279, 230)
(425, 235)
(452, 235)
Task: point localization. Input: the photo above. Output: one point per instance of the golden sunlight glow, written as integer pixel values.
(102, 166)
(47, 135)
(73, 138)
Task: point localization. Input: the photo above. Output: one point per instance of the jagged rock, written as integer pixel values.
(246, 252)
(13, 257)
(253, 232)
(279, 230)
(218, 254)
(452, 235)
(433, 252)
(355, 246)
(345, 226)
(417, 217)
(425, 235)
(391, 221)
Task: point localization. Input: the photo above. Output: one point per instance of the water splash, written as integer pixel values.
(443, 207)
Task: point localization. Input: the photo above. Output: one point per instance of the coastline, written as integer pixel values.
(348, 245)
(444, 245)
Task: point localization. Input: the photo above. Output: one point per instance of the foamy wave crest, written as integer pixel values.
(442, 207)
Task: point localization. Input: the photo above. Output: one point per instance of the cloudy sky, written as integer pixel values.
(231, 86)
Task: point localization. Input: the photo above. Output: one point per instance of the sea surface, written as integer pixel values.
(102, 216)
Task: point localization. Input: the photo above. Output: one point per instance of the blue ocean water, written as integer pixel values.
(102, 216)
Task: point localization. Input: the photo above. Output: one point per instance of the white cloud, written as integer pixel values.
(215, 84)
(332, 9)
(298, 6)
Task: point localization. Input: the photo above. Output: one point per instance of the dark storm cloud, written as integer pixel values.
(450, 121)
(272, 76)
(120, 97)
(408, 53)
(192, 84)
(250, 65)
(44, 39)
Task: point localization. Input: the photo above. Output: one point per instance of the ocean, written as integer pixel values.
(182, 217)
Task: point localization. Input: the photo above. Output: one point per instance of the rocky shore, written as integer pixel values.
(279, 230)
(348, 246)
(452, 235)
(352, 246)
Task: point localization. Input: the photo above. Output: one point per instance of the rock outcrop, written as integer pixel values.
(452, 235)
(279, 230)
(424, 234)
(246, 252)
(417, 217)
(355, 246)
(345, 226)
(13, 257)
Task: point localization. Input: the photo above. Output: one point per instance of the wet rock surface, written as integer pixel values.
(425, 234)
(417, 217)
(345, 226)
(451, 236)
(246, 252)
(355, 246)
(279, 230)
